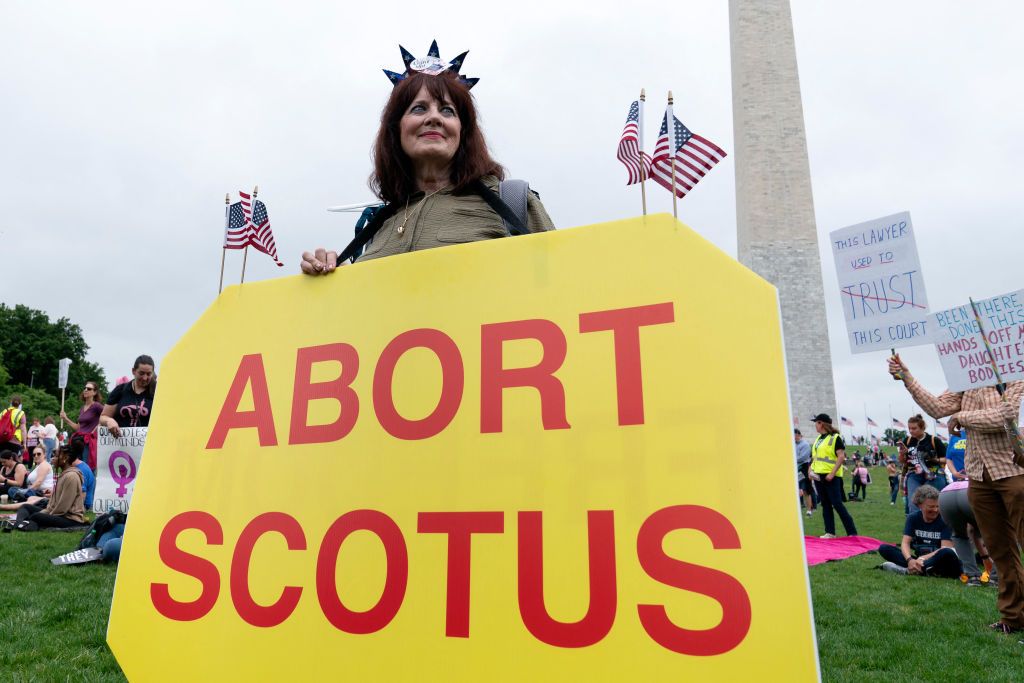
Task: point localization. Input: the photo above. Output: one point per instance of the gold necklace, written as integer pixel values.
(401, 228)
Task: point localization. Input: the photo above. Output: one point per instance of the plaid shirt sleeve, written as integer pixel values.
(943, 405)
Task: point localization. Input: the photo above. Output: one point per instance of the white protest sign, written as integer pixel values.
(880, 283)
(117, 467)
(965, 360)
(62, 372)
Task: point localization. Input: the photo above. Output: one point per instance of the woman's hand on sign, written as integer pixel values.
(319, 262)
(63, 415)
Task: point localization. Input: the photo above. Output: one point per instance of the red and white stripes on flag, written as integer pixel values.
(249, 225)
(630, 152)
(845, 421)
(691, 155)
(236, 227)
(262, 238)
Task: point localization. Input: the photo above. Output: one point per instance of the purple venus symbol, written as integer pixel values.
(121, 474)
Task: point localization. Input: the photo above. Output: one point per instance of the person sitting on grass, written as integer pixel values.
(67, 506)
(927, 548)
(39, 481)
(12, 472)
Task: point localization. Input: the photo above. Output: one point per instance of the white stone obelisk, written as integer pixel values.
(777, 236)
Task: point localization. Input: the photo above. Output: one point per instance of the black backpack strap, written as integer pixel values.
(514, 224)
(366, 234)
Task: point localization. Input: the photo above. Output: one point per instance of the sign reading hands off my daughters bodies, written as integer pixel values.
(966, 361)
(880, 284)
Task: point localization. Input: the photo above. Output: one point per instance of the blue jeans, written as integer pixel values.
(916, 481)
(22, 494)
(50, 444)
(110, 543)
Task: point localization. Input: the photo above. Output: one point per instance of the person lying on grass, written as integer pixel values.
(927, 547)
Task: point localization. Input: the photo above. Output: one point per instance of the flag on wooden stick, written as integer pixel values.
(691, 156)
(636, 161)
(262, 238)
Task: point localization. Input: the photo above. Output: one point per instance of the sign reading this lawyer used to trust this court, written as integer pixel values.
(966, 361)
(881, 286)
(491, 463)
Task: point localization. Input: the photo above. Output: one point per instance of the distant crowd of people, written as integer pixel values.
(48, 478)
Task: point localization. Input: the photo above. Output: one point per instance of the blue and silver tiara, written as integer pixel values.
(432, 65)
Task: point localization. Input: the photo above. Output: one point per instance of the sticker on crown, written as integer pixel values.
(428, 65)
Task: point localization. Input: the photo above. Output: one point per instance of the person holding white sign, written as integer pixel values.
(996, 492)
(131, 404)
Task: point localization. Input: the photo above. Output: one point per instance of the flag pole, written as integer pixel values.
(640, 130)
(224, 249)
(671, 121)
(1011, 423)
(245, 254)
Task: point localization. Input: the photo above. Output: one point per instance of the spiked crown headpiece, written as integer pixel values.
(432, 65)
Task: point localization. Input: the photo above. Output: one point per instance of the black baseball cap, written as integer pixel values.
(822, 417)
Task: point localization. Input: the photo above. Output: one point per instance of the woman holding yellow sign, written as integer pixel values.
(434, 173)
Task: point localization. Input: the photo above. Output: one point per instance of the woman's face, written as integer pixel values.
(38, 455)
(819, 426)
(916, 431)
(143, 375)
(430, 130)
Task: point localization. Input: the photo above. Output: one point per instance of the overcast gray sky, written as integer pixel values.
(124, 124)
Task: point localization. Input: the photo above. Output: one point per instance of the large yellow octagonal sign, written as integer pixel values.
(563, 456)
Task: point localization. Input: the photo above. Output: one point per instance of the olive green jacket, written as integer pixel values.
(445, 219)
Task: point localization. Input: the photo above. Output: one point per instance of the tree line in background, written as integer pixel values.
(30, 347)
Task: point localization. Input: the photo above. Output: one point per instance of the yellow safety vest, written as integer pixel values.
(16, 415)
(823, 455)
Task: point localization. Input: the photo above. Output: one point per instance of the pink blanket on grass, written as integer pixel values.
(827, 549)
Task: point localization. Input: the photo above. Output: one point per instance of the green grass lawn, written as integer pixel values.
(871, 625)
(54, 619)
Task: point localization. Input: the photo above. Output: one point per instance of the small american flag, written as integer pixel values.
(236, 233)
(872, 422)
(690, 154)
(636, 161)
(262, 238)
(258, 233)
(845, 421)
(899, 424)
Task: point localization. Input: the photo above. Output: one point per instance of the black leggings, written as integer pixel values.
(944, 563)
(41, 519)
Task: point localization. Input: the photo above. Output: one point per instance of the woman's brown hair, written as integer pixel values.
(829, 429)
(393, 178)
(917, 420)
(97, 394)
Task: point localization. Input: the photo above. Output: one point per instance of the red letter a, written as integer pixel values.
(250, 373)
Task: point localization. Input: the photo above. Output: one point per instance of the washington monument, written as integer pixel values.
(777, 236)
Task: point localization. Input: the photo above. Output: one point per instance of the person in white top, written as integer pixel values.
(39, 481)
(49, 437)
